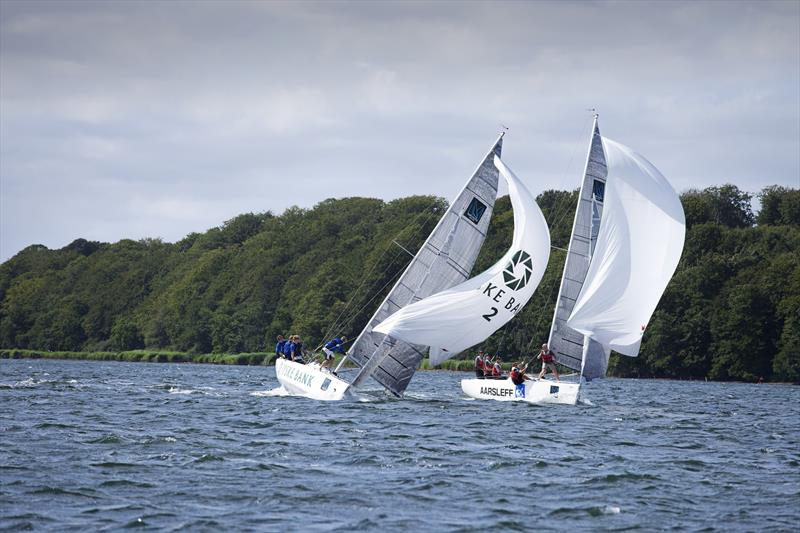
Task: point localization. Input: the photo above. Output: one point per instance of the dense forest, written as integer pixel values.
(731, 312)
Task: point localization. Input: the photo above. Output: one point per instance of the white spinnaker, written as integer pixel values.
(639, 246)
(453, 320)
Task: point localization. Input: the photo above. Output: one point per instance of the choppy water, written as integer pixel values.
(93, 445)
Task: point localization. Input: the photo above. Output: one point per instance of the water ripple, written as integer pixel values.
(99, 446)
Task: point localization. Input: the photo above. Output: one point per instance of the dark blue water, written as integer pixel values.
(93, 446)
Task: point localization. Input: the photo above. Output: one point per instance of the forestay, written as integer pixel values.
(567, 343)
(453, 320)
(638, 248)
(444, 260)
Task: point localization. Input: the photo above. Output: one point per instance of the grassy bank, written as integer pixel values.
(150, 356)
(141, 356)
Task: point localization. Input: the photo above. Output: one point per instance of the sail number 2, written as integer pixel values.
(496, 294)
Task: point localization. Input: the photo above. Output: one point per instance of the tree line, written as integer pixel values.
(731, 312)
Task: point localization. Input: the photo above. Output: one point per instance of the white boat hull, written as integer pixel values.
(532, 391)
(309, 380)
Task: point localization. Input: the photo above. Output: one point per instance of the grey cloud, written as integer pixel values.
(192, 112)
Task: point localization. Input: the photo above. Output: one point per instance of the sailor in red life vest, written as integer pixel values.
(487, 364)
(497, 369)
(517, 374)
(479, 366)
(548, 361)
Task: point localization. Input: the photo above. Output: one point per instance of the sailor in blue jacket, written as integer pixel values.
(332, 347)
(279, 346)
(287, 348)
(297, 350)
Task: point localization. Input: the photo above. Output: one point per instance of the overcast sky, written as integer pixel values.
(157, 119)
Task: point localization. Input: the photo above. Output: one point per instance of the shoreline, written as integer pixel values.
(258, 358)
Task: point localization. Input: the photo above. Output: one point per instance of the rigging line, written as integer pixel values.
(568, 170)
(563, 212)
(364, 279)
(349, 319)
(338, 323)
(551, 295)
(429, 211)
(403, 248)
(503, 339)
(393, 278)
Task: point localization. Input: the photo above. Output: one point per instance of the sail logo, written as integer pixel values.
(518, 271)
(475, 210)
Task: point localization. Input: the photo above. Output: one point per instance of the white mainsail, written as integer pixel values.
(453, 320)
(444, 260)
(638, 248)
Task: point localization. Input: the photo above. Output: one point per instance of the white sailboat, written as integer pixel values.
(444, 260)
(626, 241)
(434, 307)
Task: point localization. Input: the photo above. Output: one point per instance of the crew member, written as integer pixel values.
(479, 366)
(279, 346)
(548, 361)
(487, 364)
(297, 350)
(332, 347)
(497, 369)
(516, 375)
(287, 348)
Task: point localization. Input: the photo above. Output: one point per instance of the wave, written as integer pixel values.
(127, 483)
(591, 511)
(107, 439)
(178, 390)
(208, 457)
(24, 384)
(53, 425)
(34, 382)
(57, 491)
(115, 464)
(137, 522)
(626, 476)
(278, 391)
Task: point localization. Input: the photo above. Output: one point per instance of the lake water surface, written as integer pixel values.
(107, 445)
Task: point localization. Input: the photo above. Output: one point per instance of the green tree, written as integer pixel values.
(779, 206)
(726, 205)
(730, 311)
(125, 335)
(786, 364)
